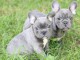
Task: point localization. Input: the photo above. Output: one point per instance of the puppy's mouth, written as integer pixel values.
(65, 29)
(45, 36)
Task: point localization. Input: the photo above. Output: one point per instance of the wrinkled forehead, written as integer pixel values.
(64, 13)
(42, 21)
(41, 25)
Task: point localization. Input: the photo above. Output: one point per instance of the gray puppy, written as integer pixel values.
(31, 39)
(62, 21)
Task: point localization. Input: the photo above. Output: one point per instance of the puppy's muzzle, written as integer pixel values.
(65, 23)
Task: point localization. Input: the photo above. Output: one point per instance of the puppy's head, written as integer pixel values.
(63, 17)
(41, 27)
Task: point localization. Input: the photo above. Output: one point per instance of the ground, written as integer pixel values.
(12, 17)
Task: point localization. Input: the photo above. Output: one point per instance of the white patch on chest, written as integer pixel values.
(58, 39)
(45, 41)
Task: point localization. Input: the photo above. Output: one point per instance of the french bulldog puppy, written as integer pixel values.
(31, 39)
(62, 21)
(29, 20)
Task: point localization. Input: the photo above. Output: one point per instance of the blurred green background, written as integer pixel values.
(13, 14)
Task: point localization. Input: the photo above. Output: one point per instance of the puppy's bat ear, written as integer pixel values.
(55, 6)
(50, 17)
(73, 7)
(32, 18)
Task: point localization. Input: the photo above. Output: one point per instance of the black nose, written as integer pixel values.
(44, 32)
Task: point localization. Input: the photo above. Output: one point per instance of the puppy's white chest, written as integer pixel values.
(45, 41)
(58, 39)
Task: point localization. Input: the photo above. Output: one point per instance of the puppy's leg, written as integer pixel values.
(40, 52)
(60, 42)
(38, 49)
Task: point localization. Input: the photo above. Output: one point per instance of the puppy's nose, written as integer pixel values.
(44, 32)
(65, 22)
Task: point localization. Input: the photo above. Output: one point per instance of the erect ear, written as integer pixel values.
(32, 18)
(50, 17)
(73, 7)
(55, 6)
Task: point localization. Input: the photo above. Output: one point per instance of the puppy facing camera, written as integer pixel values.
(42, 27)
(35, 38)
(62, 21)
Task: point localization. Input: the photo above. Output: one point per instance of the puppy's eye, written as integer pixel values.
(36, 28)
(58, 18)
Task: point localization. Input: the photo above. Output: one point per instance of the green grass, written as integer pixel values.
(12, 16)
